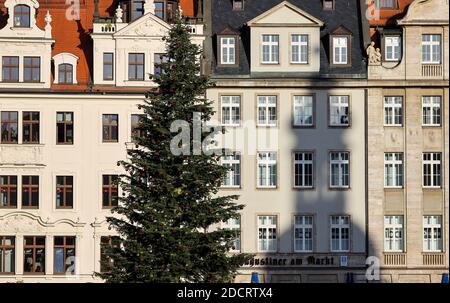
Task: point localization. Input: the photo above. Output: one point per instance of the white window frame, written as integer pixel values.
(227, 50)
(303, 163)
(431, 165)
(393, 111)
(272, 45)
(394, 234)
(342, 103)
(269, 160)
(231, 160)
(303, 108)
(266, 105)
(340, 226)
(431, 111)
(233, 104)
(338, 44)
(235, 225)
(428, 47)
(435, 228)
(268, 228)
(340, 162)
(299, 48)
(394, 43)
(393, 170)
(305, 224)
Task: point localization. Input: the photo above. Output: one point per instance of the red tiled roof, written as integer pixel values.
(73, 36)
(390, 16)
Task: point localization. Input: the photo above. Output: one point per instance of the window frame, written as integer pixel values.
(395, 164)
(107, 240)
(134, 125)
(234, 227)
(67, 189)
(299, 44)
(34, 247)
(303, 163)
(313, 111)
(65, 247)
(32, 67)
(108, 63)
(231, 122)
(433, 117)
(390, 105)
(28, 188)
(231, 175)
(433, 240)
(110, 126)
(9, 125)
(27, 14)
(9, 66)
(267, 226)
(237, 9)
(64, 123)
(340, 162)
(430, 44)
(112, 189)
(11, 188)
(136, 63)
(432, 162)
(393, 228)
(386, 45)
(270, 43)
(220, 49)
(267, 99)
(340, 103)
(303, 226)
(34, 127)
(326, 8)
(348, 49)
(340, 226)
(267, 164)
(3, 252)
(385, 7)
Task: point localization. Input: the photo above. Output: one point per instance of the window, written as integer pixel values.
(34, 254)
(110, 191)
(231, 110)
(393, 233)
(431, 111)
(299, 49)
(136, 67)
(303, 233)
(65, 73)
(159, 10)
(234, 224)
(328, 5)
(64, 128)
(392, 48)
(30, 127)
(228, 50)
(270, 49)
(340, 233)
(108, 66)
(106, 263)
(393, 169)
(386, 4)
(110, 128)
(7, 255)
(31, 69)
(137, 9)
(158, 60)
(393, 111)
(431, 49)
(64, 255)
(10, 127)
(339, 169)
(21, 16)
(267, 169)
(238, 5)
(339, 111)
(135, 124)
(233, 164)
(64, 192)
(30, 191)
(10, 69)
(8, 191)
(267, 110)
(432, 233)
(267, 233)
(431, 169)
(303, 111)
(303, 170)
(340, 50)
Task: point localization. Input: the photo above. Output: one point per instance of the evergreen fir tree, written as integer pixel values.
(169, 207)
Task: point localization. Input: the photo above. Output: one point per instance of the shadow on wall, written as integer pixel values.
(328, 215)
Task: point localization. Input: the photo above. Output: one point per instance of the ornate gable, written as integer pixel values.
(426, 12)
(147, 26)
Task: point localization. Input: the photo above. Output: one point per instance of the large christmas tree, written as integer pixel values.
(168, 215)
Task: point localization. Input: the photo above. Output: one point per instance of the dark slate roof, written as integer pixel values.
(347, 13)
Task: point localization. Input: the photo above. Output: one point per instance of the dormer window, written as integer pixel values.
(228, 47)
(328, 5)
(386, 4)
(65, 73)
(238, 5)
(340, 47)
(66, 68)
(21, 16)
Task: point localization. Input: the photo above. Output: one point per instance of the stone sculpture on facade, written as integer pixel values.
(374, 54)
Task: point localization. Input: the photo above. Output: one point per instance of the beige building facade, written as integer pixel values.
(408, 131)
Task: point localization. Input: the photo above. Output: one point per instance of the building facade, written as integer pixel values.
(408, 142)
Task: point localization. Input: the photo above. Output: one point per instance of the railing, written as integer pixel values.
(394, 259)
(434, 259)
(431, 70)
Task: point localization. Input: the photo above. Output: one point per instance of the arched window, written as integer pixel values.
(21, 15)
(65, 73)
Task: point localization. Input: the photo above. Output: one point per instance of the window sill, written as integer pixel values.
(393, 125)
(303, 188)
(339, 188)
(267, 187)
(431, 125)
(231, 187)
